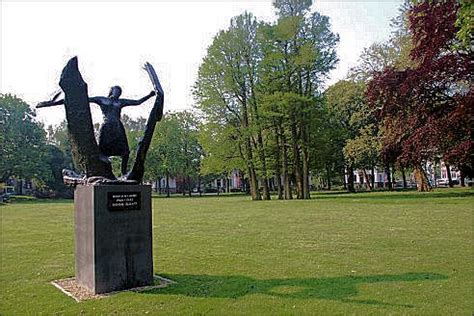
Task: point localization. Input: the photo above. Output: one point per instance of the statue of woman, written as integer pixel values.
(112, 137)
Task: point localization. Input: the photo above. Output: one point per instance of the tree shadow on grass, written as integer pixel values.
(335, 288)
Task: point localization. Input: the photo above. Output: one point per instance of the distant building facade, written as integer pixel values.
(437, 174)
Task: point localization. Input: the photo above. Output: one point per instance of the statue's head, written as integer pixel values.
(115, 92)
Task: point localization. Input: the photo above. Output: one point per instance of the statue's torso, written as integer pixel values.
(111, 110)
(112, 137)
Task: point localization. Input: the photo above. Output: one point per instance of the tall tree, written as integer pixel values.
(260, 84)
(225, 91)
(346, 103)
(425, 110)
(165, 156)
(298, 52)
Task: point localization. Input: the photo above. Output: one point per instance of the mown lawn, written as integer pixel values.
(366, 253)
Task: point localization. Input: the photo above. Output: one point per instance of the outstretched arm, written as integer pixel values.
(127, 102)
(49, 103)
(96, 100)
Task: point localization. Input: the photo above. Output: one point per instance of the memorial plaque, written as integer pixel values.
(123, 201)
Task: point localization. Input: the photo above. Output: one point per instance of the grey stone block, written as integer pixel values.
(113, 229)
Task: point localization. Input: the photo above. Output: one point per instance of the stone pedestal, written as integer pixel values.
(113, 231)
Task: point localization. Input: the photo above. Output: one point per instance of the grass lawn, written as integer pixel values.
(366, 253)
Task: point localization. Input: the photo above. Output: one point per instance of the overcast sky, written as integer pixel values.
(114, 39)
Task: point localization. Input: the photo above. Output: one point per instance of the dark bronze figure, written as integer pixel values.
(89, 156)
(112, 137)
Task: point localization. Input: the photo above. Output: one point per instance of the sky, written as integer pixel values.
(113, 40)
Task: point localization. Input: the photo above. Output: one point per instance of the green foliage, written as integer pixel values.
(57, 160)
(259, 86)
(346, 102)
(221, 149)
(22, 142)
(465, 24)
(363, 151)
(358, 140)
(174, 150)
(286, 8)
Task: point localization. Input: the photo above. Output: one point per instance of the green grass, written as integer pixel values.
(368, 253)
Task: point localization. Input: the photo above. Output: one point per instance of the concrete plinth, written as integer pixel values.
(113, 231)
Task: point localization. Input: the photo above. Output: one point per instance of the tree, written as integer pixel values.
(226, 95)
(191, 149)
(363, 151)
(23, 154)
(298, 52)
(175, 150)
(327, 148)
(57, 160)
(346, 103)
(373, 59)
(259, 84)
(165, 157)
(425, 110)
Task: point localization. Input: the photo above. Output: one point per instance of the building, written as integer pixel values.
(437, 173)
(233, 183)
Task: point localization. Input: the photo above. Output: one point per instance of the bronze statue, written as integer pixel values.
(89, 156)
(112, 137)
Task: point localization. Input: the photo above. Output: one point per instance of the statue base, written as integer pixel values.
(113, 230)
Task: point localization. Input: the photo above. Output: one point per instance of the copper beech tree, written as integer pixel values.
(425, 111)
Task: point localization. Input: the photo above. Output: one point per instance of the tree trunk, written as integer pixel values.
(261, 155)
(421, 179)
(306, 193)
(373, 177)
(367, 180)
(245, 183)
(296, 162)
(189, 186)
(350, 179)
(404, 177)
(286, 178)
(328, 177)
(199, 185)
(389, 177)
(305, 160)
(253, 184)
(183, 186)
(167, 185)
(278, 165)
(254, 190)
(462, 175)
(448, 172)
(344, 179)
(257, 123)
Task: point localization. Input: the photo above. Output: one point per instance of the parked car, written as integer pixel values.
(399, 184)
(6, 193)
(445, 182)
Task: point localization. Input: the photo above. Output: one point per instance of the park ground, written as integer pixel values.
(398, 253)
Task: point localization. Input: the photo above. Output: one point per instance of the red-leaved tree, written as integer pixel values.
(427, 110)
